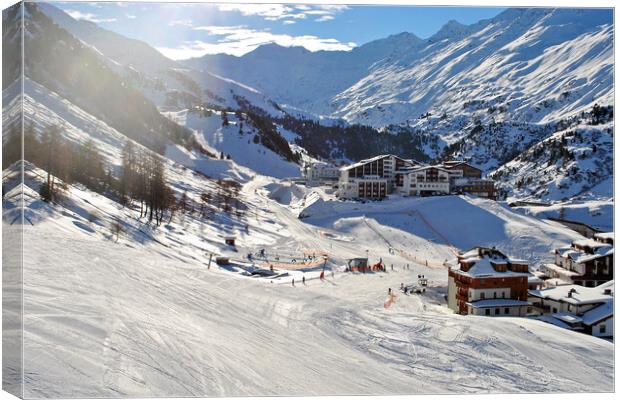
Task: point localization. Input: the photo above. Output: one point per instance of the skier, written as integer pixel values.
(389, 291)
(303, 280)
(322, 275)
(293, 282)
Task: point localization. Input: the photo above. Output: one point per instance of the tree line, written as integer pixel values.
(141, 178)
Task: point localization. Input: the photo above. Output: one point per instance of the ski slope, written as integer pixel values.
(236, 140)
(144, 316)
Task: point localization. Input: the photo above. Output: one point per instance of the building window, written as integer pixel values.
(555, 310)
(497, 311)
(506, 310)
(487, 311)
(481, 295)
(601, 328)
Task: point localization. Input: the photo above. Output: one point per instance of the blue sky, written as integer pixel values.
(190, 30)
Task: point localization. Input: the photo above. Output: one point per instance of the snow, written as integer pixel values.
(599, 313)
(578, 294)
(147, 314)
(604, 235)
(240, 146)
(452, 222)
(585, 176)
(558, 269)
(131, 322)
(566, 317)
(483, 267)
(215, 168)
(596, 213)
(519, 62)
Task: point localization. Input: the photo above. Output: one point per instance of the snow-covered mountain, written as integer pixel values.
(69, 76)
(513, 62)
(574, 162)
(485, 92)
(163, 81)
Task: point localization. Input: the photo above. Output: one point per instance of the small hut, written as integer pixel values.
(358, 264)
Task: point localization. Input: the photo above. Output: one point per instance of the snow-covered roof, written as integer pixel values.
(574, 294)
(554, 321)
(556, 282)
(560, 270)
(567, 317)
(423, 168)
(498, 303)
(483, 261)
(599, 313)
(604, 235)
(365, 161)
(534, 279)
(455, 163)
(483, 266)
(600, 250)
(589, 243)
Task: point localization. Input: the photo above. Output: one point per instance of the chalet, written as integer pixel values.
(584, 309)
(372, 178)
(422, 181)
(484, 281)
(587, 262)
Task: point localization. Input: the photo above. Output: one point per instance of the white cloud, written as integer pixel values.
(288, 22)
(88, 16)
(129, 16)
(325, 18)
(239, 40)
(270, 12)
(274, 12)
